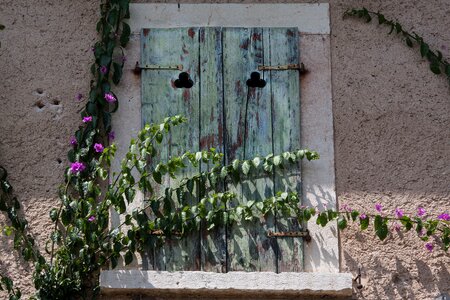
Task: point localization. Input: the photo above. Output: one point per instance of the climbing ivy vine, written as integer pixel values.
(438, 65)
(81, 242)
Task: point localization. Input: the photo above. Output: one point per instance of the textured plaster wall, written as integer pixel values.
(391, 120)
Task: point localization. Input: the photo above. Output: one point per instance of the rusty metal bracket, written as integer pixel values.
(304, 234)
(300, 67)
(138, 68)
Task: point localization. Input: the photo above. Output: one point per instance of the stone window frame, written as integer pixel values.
(321, 255)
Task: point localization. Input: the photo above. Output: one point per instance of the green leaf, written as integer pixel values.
(125, 36)
(235, 164)
(406, 221)
(342, 222)
(159, 137)
(354, 215)
(409, 42)
(128, 257)
(157, 177)
(381, 19)
(364, 223)
(245, 167)
(435, 68)
(223, 172)
(277, 160)
(117, 73)
(381, 228)
(54, 214)
(398, 27)
(424, 48)
(322, 219)
(256, 161)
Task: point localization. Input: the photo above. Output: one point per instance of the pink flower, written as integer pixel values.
(420, 211)
(98, 147)
(73, 141)
(398, 213)
(87, 119)
(79, 96)
(77, 167)
(444, 217)
(429, 246)
(396, 226)
(103, 70)
(363, 216)
(110, 98)
(91, 219)
(111, 135)
(347, 208)
(378, 207)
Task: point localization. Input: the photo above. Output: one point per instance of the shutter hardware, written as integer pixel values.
(138, 68)
(303, 233)
(300, 67)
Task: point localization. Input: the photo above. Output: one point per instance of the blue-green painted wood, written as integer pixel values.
(285, 94)
(248, 133)
(243, 122)
(213, 242)
(160, 98)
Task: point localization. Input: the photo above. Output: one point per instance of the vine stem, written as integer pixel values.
(57, 221)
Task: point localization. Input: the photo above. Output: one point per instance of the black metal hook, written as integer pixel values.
(184, 81)
(256, 81)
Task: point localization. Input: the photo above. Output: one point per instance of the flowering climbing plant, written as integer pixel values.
(82, 242)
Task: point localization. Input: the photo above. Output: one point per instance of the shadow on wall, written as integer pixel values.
(402, 281)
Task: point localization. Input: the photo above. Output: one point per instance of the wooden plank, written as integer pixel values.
(160, 98)
(285, 94)
(213, 242)
(248, 133)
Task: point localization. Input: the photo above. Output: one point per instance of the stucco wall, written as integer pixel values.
(391, 119)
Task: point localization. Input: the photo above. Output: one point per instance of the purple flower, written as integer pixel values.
(363, 216)
(429, 246)
(444, 217)
(98, 147)
(420, 211)
(91, 219)
(111, 135)
(77, 167)
(79, 96)
(110, 98)
(347, 208)
(103, 70)
(378, 207)
(398, 213)
(87, 119)
(73, 141)
(396, 226)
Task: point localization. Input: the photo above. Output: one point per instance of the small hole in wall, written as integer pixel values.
(56, 102)
(39, 104)
(59, 160)
(39, 91)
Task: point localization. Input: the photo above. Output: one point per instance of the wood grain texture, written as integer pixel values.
(285, 93)
(238, 120)
(160, 98)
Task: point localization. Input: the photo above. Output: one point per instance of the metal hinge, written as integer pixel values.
(300, 67)
(138, 68)
(303, 233)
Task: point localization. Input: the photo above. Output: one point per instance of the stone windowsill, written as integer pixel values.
(238, 284)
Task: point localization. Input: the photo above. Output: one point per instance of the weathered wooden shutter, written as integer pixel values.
(239, 121)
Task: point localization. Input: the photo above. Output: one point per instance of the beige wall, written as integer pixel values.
(391, 119)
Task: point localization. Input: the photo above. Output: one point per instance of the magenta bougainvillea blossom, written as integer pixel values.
(91, 219)
(73, 141)
(110, 98)
(421, 211)
(111, 135)
(77, 167)
(103, 70)
(444, 217)
(429, 246)
(398, 213)
(98, 147)
(378, 207)
(79, 96)
(87, 119)
(363, 216)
